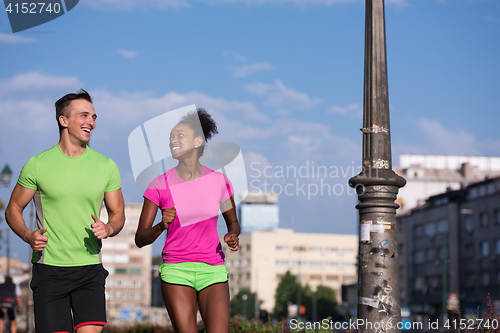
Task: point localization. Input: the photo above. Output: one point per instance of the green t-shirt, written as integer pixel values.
(69, 190)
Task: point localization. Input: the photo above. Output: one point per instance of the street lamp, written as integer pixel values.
(5, 180)
(377, 187)
(6, 174)
(244, 297)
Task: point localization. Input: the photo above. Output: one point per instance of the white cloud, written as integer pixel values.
(127, 53)
(279, 95)
(244, 71)
(127, 107)
(350, 109)
(234, 55)
(29, 115)
(448, 141)
(14, 39)
(36, 81)
(436, 138)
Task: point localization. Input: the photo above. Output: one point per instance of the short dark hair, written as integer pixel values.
(63, 102)
(208, 126)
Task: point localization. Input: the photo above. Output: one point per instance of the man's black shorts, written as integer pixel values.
(68, 297)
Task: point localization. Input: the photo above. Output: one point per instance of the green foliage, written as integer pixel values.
(157, 260)
(326, 302)
(287, 291)
(237, 304)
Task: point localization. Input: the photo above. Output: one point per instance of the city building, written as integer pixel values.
(128, 286)
(259, 211)
(451, 252)
(316, 259)
(428, 175)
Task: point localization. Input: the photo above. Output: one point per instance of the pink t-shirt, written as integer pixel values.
(192, 236)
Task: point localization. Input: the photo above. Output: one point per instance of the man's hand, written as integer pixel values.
(100, 229)
(167, 217)
(232, 241)
(37, 240)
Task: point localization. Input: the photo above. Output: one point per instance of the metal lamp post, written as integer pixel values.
(377, 187)
(5, 180)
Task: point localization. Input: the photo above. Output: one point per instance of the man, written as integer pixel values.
(10, 299)
(68, 184)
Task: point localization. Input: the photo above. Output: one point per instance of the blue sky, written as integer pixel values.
(282, 78)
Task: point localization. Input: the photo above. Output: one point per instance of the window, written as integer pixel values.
(491, 188)
(315, 276)
(347, 251)
(315, 249)
(315, 263)
(473, 193)
(299, 263)
(332, 250)
(135, 271)
(401, 249)
(281, 262)
(497, 246)
(419, 257)
(282, 248)
(348, 264)
(332, 264)
(469, 223)
(299, 248)
(120, 271)
(419, 283)
(497, 216)
(442, 226)
(483, 219)
(485, 248)
(430, 230)
(430, 255)
(332, 277)
(418, 230)
(482, 190)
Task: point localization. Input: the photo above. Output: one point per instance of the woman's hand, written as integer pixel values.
(232, 241)
(168, 216)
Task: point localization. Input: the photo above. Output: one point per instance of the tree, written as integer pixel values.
(238, 305)
(157, 260)
(285, 292)
(326, 302)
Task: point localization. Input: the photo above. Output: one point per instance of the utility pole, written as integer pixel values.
(377, 187)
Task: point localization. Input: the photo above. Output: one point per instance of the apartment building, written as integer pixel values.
(128, 286)
(316, 259)
(452, 248)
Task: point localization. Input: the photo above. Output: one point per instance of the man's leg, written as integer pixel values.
(214, 307)
(180, 302)
(51, 299)
(88, 299)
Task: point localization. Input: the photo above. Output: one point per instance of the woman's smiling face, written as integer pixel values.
(182, 140)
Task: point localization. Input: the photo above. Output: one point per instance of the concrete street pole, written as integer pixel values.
(377, 187)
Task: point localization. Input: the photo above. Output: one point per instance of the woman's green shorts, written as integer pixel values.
(197, 275)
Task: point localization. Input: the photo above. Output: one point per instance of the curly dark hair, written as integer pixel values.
(208, 127)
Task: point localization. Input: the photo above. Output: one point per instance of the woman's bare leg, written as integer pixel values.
(214, 307)
(180, 302)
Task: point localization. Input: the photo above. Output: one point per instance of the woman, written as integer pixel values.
(190, 196)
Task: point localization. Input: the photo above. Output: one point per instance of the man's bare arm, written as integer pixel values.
(19, 199)
(115, 207)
